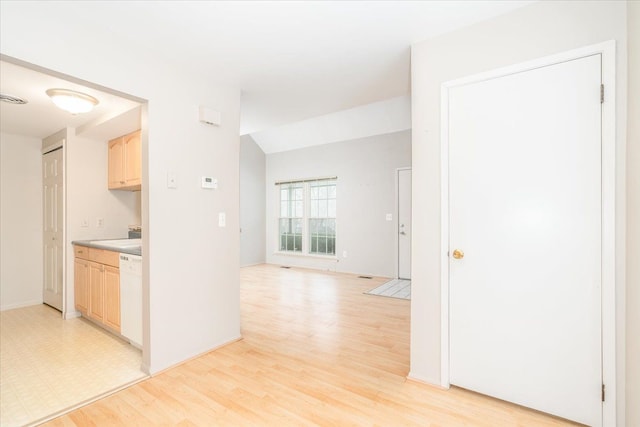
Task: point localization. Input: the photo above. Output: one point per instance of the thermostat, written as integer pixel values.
(209, 182)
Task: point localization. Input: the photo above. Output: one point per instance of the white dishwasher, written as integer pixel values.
(131, 298)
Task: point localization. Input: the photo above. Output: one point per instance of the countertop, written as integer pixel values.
(96, 244)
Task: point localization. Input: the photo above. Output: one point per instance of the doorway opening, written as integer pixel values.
(54, 168)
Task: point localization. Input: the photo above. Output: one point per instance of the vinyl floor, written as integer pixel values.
(48, 364)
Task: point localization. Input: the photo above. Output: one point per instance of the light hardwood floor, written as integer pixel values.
(316, 351)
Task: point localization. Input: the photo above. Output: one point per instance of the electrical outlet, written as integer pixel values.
(222, 219)
(389, 217)
(344, 254)
(99, 222)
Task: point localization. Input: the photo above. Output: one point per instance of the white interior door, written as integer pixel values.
(53, 181)
(404, 223)
(525, 210)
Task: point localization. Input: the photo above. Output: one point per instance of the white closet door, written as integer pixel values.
(53, 181)
(525, 210)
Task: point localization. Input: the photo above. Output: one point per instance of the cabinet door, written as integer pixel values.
(96, 291)
(116, 163)
(132, 159)
(81, 285)
(112, 297)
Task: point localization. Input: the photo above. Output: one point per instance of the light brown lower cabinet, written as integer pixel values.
(96, 291)
(81, 285)
(97, 286)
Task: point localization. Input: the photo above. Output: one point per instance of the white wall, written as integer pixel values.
(252, 202)
(20, 221)
(537, 30)
(191, 266)
(366, 171)
(633, 218)
(88, 198)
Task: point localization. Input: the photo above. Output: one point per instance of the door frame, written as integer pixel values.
(397, 221)
(609, 259)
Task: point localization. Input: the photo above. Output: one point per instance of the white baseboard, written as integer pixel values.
(71, 315)
(422, 380)
(155, 372)
(321, 269)
(145, 368)
(252, 264)
(20, 305)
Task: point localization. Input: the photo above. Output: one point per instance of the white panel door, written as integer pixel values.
(53, 181)
(525, 210)
(404, 223)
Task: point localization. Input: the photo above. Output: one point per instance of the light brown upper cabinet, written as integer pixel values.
(125, 162)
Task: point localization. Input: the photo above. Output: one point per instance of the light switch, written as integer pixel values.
(172, 180)
(389, 217)
(84, 223)
(222, 219)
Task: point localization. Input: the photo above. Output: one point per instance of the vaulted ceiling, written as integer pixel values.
(293, 60)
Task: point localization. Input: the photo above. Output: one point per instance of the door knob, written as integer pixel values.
(403, 233)
(458, 254)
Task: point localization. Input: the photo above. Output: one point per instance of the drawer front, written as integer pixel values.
(81, 252)
(102, 256)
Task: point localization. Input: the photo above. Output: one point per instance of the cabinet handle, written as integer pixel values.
(122, 182)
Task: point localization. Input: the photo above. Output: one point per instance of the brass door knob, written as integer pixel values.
(458, 254)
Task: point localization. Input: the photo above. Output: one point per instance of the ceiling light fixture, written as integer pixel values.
(72, 101)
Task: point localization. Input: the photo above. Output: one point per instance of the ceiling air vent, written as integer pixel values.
(12, 99)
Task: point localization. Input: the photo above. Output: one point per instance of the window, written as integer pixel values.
(291, 213)
(307, 223)
(322, 218)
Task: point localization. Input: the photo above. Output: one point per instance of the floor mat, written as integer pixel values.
(396, 288)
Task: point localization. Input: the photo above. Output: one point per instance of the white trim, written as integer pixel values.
(65, 227)
(609, 256)
(71, 315)
(397, 216)
(253, 264)
(609, 259)
(303, 180)
(302, 255)
(20, 305)
(444, 236)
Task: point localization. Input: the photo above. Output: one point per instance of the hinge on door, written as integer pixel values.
(603, 392)
(601, 94)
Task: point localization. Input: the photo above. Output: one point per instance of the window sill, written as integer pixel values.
(301, 255)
